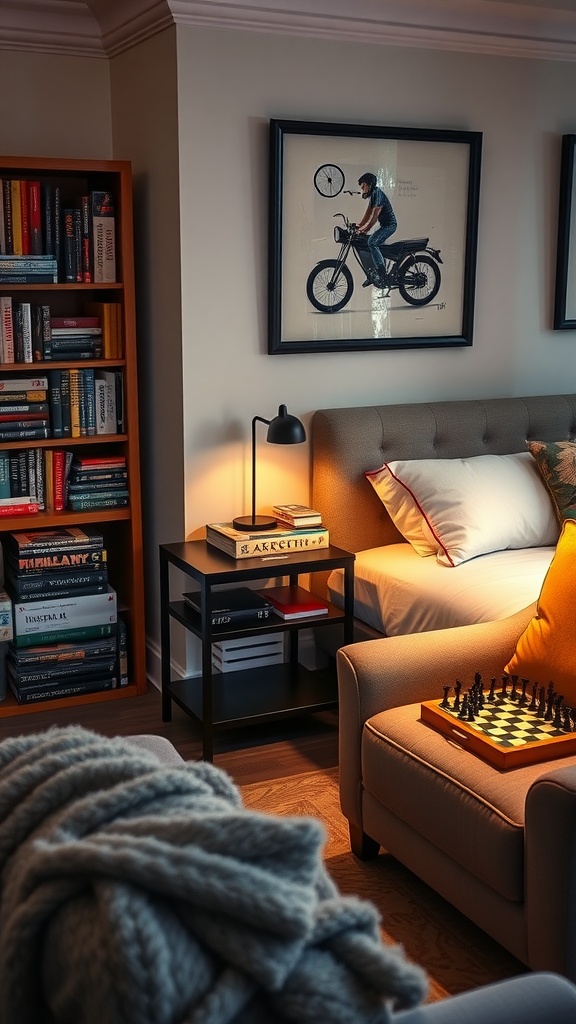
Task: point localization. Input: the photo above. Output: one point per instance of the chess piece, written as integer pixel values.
(523, 697)
(541, 702)
(533, 703)
(549, 703)
(464, 707)
(514, 692)
(491, 695)
(457, 688)
(504, 685)
(558, 701)
(567, 723)
(444, 702)
(471, 706)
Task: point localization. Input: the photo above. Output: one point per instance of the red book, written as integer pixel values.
(59, 322)
(58, 471)
(25, 217)
(35, 218)
(294, 602)
(25, 509)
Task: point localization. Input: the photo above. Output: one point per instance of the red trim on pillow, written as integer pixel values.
(386, 466)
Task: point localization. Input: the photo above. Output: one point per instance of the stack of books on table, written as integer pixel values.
(296, 517)
(279, 541)
(98, 481)
(67, 637)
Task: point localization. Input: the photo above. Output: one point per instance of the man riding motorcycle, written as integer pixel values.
(379, 210)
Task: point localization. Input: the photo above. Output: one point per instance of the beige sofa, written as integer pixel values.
(500, 846)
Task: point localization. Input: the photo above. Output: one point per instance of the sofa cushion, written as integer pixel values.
(545, 651)
(471, 811)
(556, 461)
(458, 509)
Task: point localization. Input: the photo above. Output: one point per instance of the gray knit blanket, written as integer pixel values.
(134, 893)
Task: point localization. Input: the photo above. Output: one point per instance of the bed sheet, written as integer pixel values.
(396, 591)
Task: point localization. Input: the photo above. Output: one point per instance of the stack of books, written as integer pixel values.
(296, 517)
(67, 636)
(98, 481)
(74, 338)
(278, 542)
(19, 269)
(24, 408)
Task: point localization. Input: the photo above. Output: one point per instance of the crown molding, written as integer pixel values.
(105, 28)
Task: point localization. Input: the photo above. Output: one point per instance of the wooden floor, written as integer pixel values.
(248, 755)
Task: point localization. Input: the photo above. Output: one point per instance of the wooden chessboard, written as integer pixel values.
(504, 734)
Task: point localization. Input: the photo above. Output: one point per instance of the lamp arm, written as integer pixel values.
(256, 419)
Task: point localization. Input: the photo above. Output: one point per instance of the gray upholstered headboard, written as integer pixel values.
(347, 442)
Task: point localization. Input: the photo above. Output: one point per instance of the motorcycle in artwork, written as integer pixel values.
(411, 266)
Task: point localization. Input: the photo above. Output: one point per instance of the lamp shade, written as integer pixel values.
(283, 429)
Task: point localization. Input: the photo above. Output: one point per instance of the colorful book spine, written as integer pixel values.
(103, 237)
(35, 216)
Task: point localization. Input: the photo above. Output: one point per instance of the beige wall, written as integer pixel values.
(191, 109)
(230, 85)
(55, 106)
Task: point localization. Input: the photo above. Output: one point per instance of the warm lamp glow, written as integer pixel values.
(283, 429)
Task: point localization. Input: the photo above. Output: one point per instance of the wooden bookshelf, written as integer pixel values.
(122, 527)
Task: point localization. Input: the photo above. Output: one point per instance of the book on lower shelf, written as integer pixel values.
(240, 544)
(240, 605)
(73, 618)
(248, 653)
(295, 602)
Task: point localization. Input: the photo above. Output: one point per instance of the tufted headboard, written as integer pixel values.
(347, 442)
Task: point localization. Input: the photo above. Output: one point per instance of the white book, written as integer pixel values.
(24, 384)
(60, 613)
(105, 395)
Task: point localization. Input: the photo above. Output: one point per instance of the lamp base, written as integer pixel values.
(251, 524)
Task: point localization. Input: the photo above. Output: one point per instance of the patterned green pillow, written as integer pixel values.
(556, 461)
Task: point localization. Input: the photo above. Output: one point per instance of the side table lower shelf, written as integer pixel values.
(250, 697)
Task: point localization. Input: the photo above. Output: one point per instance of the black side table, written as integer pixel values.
(221, 700)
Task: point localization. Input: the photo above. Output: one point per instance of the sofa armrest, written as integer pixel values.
(529, 999)
(550, 870)
(397, 670)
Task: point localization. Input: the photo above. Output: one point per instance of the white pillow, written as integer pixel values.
(460, 508)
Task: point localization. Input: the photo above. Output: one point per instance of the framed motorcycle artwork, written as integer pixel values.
(565, 292)
(373, 237)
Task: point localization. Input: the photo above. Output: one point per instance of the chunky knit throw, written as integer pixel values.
(134, 893)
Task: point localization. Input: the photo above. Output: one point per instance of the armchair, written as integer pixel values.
(498, 845)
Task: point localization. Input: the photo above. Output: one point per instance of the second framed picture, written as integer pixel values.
(373, 237)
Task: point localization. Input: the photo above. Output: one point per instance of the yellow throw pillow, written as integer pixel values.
(546, 651)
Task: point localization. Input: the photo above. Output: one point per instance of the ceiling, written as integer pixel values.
(104, 28)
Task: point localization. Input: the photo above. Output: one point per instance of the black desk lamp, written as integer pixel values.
(283, 429)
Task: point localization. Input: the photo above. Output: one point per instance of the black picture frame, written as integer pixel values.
(565, 290)
(432, 178)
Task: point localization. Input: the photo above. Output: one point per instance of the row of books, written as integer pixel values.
(72, 402)
(29, 334)
(243, 606)
(41, 224)
(67, 637)
(52, 480)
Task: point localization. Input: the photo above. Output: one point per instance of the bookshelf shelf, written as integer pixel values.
(122, 527)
